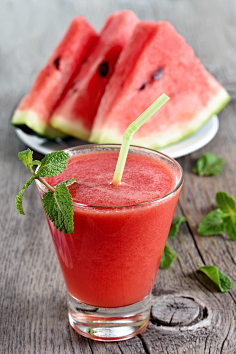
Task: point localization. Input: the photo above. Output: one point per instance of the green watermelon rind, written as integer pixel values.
(31, 120)
(74, 128)
(215, 105)
(95, 134)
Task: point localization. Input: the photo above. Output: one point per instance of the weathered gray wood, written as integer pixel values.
(175, 311)
(33, 314)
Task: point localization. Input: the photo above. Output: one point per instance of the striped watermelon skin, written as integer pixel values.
(77, 110)
(35, 109)
(156, 60)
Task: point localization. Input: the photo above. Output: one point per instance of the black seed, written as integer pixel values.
(142, 87)
(158, 74)
(103, 69)
(57, 63)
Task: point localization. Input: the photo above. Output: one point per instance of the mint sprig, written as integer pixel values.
(169, 255)
(57, 202)
(219, 278)
(208, 165)
(221, 219)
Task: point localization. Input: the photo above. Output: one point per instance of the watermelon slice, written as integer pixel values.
(77, 110)
(156, 60)
(35, 109)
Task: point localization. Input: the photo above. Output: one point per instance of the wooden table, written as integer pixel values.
(33, 312)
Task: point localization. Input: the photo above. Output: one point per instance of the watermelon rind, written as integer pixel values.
(73, 128)
(214, 106)
(30, 119)
(96, 134)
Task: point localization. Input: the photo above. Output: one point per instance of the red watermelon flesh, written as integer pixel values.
(36, 108)
(76, 112)
(156, 60)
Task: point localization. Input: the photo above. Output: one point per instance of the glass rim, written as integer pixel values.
(91, 146)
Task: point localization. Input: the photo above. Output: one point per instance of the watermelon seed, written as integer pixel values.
(103, 69)
(57, 63)
(142, 87)
(158, 74)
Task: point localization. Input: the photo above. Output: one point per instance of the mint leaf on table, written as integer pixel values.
(53, 164)
(212, 224)
(230, 227)
(168, 257)
(219, 278)
(228, 206)
(208, 165)
(57, 201)
(226, 203)
(175, 225)
(221, 219)
(19, 197)
(59, 208)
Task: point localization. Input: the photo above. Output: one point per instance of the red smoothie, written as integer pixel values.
(120, 232)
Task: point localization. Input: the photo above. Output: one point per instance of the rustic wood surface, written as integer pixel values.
(33, 313)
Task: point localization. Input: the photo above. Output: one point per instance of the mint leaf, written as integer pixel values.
(26, 157)
(228, 206)
(53, 164)
(175, 225)
(168, 257)
(208, 164)
(219, 278)
(225, 282)
(212, 224)
(230, 226)
(18, 199)
(199, 166)
(59, 208)
(226, 203)
(221, 219)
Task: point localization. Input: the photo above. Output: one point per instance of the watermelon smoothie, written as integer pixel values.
(111, 259)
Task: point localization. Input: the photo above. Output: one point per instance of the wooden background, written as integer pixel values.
(33, 313)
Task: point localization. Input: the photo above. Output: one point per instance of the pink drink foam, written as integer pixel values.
(144, 179)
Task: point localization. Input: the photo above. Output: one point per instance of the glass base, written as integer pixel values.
(109, 324)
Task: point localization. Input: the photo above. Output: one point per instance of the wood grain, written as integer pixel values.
(176, 311)
(33, 313)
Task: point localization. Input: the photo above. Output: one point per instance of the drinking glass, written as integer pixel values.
(109, 263)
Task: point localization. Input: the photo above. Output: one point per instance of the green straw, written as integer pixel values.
(132, 128)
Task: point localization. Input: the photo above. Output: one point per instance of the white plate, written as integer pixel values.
(196, 141)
